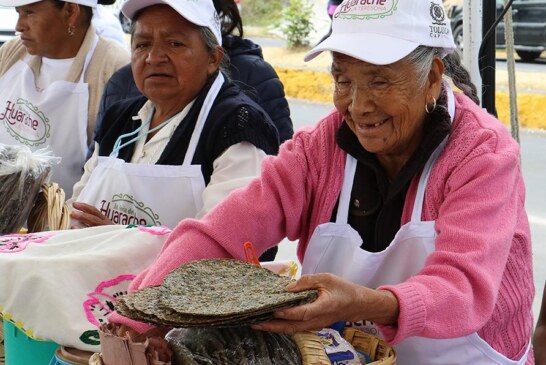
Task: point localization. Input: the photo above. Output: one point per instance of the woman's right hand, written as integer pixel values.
(338, 300)
(88, 216)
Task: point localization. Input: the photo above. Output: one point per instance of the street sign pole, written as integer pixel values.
(472, 39)
(488, 57)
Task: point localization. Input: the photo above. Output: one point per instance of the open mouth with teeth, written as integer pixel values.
(372, 125)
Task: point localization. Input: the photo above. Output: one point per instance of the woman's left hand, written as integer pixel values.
(338, 300)
(88, 215)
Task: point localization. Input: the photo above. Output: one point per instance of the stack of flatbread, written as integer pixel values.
(213, 293)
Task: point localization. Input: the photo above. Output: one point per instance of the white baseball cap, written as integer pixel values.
(384, 31)
(199, 12)
(15, 3)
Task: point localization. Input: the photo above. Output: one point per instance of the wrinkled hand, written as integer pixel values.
(88, 216)
(338, 300)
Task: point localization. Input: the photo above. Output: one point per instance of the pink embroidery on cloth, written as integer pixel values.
(11, 243)
(155, 230)
(101, 302)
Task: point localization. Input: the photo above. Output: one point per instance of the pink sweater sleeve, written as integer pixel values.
(476, 228)
(267, 210)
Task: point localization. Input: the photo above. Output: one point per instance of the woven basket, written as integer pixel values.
(313, 353)
(50, 212)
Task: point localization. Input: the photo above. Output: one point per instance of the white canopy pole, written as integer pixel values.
(472, 39)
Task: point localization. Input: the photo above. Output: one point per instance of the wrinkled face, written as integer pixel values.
(169, 58)
(43, 28)
(383, 105)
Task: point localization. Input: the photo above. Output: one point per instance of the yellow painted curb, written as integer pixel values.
(317, 86)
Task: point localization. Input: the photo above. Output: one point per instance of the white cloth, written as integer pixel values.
(335, 248)
(55, 116)
(59, 286)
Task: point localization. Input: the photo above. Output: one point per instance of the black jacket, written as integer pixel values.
(253, 74)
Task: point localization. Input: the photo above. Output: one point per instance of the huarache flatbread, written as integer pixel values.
(212, 293)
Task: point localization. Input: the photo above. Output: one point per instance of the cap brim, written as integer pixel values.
(130, 8)
(15, 3)
(376, 49)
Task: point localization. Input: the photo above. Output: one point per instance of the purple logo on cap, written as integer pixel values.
(366, 9)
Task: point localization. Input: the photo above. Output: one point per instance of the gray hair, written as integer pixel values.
(211, 43)
(421, 59)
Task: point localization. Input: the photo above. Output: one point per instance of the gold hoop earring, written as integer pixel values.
(433, 106)
(71, 30)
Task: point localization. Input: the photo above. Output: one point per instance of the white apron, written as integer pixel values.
(134, 193)
(335, 248)
(55, 116)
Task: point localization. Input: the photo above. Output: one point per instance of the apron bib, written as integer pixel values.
(335, 248)
(145, 194)
(54, 117)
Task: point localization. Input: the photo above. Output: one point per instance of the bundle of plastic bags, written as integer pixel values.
(22, 173)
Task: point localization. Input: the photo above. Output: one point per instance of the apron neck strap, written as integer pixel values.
(202, 117)
(345, 195)
(89, 56)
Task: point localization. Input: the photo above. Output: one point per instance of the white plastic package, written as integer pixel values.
(22, 172)
(339, 350)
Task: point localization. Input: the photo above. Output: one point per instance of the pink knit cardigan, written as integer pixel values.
(479, 279)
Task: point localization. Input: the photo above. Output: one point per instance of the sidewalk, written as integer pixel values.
(311, 81)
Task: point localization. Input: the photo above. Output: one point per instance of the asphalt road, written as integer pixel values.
(533, 162)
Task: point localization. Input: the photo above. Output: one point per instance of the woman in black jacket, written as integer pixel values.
(247, 69)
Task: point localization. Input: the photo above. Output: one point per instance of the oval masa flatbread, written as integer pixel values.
(213, 293)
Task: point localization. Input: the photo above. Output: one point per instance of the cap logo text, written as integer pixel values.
(366, 9)
(438, 27)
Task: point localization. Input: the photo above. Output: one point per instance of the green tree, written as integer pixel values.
(297, 23)
(261, 12)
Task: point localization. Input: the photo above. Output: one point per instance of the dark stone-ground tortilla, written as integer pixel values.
(212, 293)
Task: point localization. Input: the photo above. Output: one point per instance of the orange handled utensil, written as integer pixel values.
(250, 253)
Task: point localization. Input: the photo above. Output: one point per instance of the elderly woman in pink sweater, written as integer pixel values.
(407, 201)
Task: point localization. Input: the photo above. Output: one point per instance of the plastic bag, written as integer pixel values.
(22, 173)
(339, 350)
(231, 346)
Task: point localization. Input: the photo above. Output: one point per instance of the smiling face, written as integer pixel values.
(384, 105)
(43, 27)
(170, 60)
